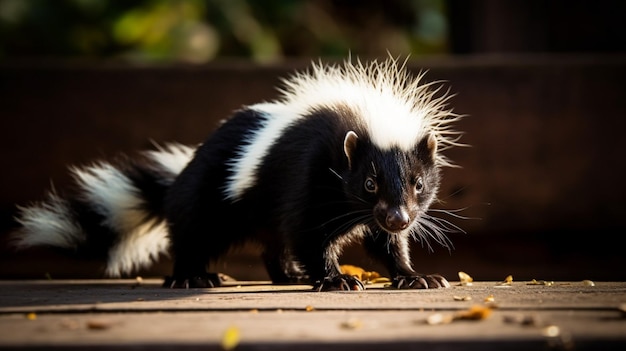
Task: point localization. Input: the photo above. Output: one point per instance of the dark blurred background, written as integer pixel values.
(542, 83)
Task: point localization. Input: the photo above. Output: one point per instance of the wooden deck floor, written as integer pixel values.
(102, 314)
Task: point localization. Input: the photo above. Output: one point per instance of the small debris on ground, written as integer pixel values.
(231, 338)
(540, 282)
(440, 318)
(352, 323)
(363, 275)
(462, 298)
(551, 331)
(95, 324)
(525, 320)
(476, 312)
(465, 279)
(508, 281)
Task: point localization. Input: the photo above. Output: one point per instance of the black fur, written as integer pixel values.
(99, 235)
(308, 200)
(325, 181)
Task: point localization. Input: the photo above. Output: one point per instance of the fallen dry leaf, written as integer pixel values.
(525, 320)
(465, 279)
(363, 275)
(439, 318)
(231, 338)
(95, 324)
(508, 281)
(462, 298)
(475, 312)
(352, 323)
(541, 282)
(551, 331)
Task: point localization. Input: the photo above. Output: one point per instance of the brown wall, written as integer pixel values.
(544, 175)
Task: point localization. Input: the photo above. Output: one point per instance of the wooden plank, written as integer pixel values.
(393, 329)
(123, 314)
(120, 296)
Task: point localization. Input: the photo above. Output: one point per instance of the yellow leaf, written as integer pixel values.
(362, 274)
(465, 279)
(474, 313)
(231, 338)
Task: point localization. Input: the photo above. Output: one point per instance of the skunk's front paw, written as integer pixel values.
(420, 281)
(341, 282)
(208, 280)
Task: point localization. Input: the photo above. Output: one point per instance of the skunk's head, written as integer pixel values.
(400, 125)
(391, 107)
(397, 184)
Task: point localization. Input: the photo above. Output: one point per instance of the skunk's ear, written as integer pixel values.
(349, 146)
(427, 148)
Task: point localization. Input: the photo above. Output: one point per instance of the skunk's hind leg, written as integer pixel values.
(282, 267)
(192, 251)
(207, 280)
(190, 272)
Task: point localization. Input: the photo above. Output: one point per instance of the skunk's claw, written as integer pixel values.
(420, 281)
(209, 280)
(341, 282)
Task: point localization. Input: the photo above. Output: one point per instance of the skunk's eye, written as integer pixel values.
(419, 185)
(370, 185)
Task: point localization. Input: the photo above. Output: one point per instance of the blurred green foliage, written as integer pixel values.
(197, 31)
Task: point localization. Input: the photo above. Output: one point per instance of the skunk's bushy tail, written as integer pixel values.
(114, 209)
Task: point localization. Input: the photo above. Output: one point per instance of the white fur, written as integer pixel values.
(119, 201)
(141, 242)
(398, 110)
(244, 167)
(371, 92)
(138, 248)
(113, 195)
(48, 223)
(172, 158)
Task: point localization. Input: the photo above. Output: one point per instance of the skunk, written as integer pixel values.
(349, 152)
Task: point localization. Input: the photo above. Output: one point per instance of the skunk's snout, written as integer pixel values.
(392, 219)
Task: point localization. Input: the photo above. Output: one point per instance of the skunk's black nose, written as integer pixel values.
(397, 219)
